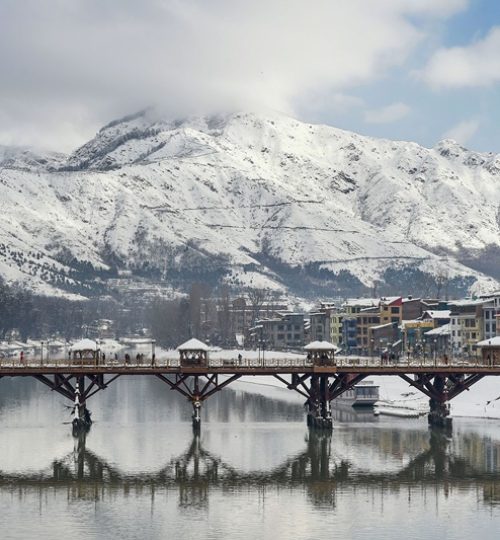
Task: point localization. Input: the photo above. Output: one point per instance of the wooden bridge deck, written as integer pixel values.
(271, 366)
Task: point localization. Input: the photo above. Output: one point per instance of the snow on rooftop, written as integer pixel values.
(438, 313)
(468, 302)
(84, 345)
(320, 346)
(385, 325)
(439, 331)
(193, 344)
(492, 342)
(362, 302)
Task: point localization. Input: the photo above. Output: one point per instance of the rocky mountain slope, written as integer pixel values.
(250, 200)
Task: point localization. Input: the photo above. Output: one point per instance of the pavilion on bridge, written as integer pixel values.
(321, 353)
(85, 350)
(193, 353)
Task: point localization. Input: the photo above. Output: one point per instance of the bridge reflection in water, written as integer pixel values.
(468, 462)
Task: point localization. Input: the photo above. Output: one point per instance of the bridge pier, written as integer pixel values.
(81, 415)
(440, 388)
(73, 387)
(196, 387)
(318, 404)
(196, 417)
(439, 414)
(320, 393)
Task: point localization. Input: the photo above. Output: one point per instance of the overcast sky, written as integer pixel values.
(405, 69)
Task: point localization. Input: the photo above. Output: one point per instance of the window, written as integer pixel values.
(281, 337)
(297, 327)
(289, 337)
(394, 310)
(281, 327)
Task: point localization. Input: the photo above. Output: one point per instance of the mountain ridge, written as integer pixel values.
(250, 200)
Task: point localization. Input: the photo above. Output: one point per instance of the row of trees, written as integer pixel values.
(199, 315)
(204, 313)
(27, 315)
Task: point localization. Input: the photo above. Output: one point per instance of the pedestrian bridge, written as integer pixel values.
(319, 375)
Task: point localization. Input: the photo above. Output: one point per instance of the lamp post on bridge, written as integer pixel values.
(41, 353)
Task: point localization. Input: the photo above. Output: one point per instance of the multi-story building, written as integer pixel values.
(412, 308)
(437, 341)
(385, 337)
(320, 322)
(391, 310)
(243, 313)
(466, 325)
(286, 331)
(336, 333)
(491, 316)
(367, 318)
(351, 333)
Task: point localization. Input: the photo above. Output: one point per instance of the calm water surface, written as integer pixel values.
(254, 472)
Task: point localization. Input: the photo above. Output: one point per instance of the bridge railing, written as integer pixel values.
(250, 363)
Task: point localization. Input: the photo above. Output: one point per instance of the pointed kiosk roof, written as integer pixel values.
(320, 346)
(84, 345)
(193, 344)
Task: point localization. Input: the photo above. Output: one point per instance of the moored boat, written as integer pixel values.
(363, 394)
(403, 409)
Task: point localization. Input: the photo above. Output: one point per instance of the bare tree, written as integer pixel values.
(257, 299)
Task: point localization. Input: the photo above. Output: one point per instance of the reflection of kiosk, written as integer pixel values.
(321, 353)
(85, 351)
(193, 353)
(490, 350)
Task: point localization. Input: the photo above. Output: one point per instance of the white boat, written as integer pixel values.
(363, 394)
(403, 408)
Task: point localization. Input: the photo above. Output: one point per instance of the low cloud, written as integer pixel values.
(386, 115)
(75, 65)
(463, 131)
(477, 64)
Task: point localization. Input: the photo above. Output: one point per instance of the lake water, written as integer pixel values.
(254, 471)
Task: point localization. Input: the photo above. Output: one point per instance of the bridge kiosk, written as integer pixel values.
(193, 354)
(490, 351)
(321, 353)
(319, 415)
(85, 351)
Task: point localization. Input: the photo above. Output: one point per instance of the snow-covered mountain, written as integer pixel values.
(250, 200)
